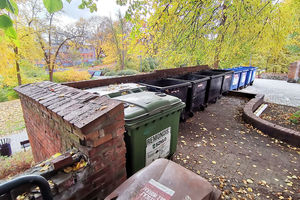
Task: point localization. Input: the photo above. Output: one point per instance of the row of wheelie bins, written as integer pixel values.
(195, 89)
(242, 77)
(153, 108)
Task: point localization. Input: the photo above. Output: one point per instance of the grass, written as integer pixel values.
(11, 118)
(17, 163)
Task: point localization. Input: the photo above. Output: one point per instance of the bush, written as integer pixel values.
(126, 72)
(149, 64)
(105, 70)
(7, 94)
(111, 73)
(70, 75)
(3, 95)
(295, 118)
(17, 163)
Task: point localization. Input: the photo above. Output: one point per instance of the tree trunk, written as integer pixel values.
(16, 50)
(51, 75)
(216, 63)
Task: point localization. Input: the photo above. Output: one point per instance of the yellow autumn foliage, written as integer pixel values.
(71, 75)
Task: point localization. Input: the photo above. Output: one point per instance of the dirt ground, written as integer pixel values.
(280, 114)
(239, 160)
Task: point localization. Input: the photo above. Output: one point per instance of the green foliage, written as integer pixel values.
(295, 117)
(7, 94)
(97, 62)
(53, 6)
(218, 33)
(32, 73)
(105, 70)
(17, 163)
(149, 64)
(126, 72)
(110, 73)
(3, 95)
(5, 21)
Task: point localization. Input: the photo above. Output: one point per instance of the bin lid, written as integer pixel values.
(166, 180)
(166, 83)
(224, 71)
(191, 78)
(145, 104)
(116, 88)
(209, 73)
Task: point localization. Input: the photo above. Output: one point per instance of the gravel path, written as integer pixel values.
(276, 91)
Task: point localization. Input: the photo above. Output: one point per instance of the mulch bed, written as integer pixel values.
(280, 115)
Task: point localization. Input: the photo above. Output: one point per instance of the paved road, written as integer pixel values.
(280, 92)
(16, 139)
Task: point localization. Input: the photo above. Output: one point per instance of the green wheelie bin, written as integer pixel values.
(151, 123)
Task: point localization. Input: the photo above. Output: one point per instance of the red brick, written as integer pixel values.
(62, 161)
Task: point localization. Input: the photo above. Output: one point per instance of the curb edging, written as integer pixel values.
(284, 134)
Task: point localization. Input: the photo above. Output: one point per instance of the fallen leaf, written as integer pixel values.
(249, 181)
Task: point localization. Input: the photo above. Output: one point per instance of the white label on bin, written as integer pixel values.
(154, 190)
(200, 85)
(158, 145)
(227, 76)
(243, 77)
(235, 79)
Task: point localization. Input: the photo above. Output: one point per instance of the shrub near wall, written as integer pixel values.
(70, 76)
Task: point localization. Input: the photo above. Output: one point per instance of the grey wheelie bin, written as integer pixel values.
(151, 123)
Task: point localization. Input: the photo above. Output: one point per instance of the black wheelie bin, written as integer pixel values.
(197, 92)
(177, 88)
(214, 89)
(226, 79)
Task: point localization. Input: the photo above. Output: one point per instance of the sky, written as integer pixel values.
(108, 8)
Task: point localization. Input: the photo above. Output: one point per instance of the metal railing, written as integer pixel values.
(40, 181)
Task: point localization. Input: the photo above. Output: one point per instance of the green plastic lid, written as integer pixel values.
(146, 104)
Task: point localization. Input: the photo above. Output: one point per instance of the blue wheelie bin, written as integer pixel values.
(242, 80)
(235, 79)
(248, 75)
(253, 75)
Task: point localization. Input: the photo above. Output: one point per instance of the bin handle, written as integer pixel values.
(151, 112)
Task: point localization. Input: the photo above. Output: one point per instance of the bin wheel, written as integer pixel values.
(214, 101)
(251, 83)
(202, 108)
(182, 118)
(191, 114)
(172, 157)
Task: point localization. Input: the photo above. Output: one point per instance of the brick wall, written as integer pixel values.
(157, 74)
(294, 72)
(59, 118)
